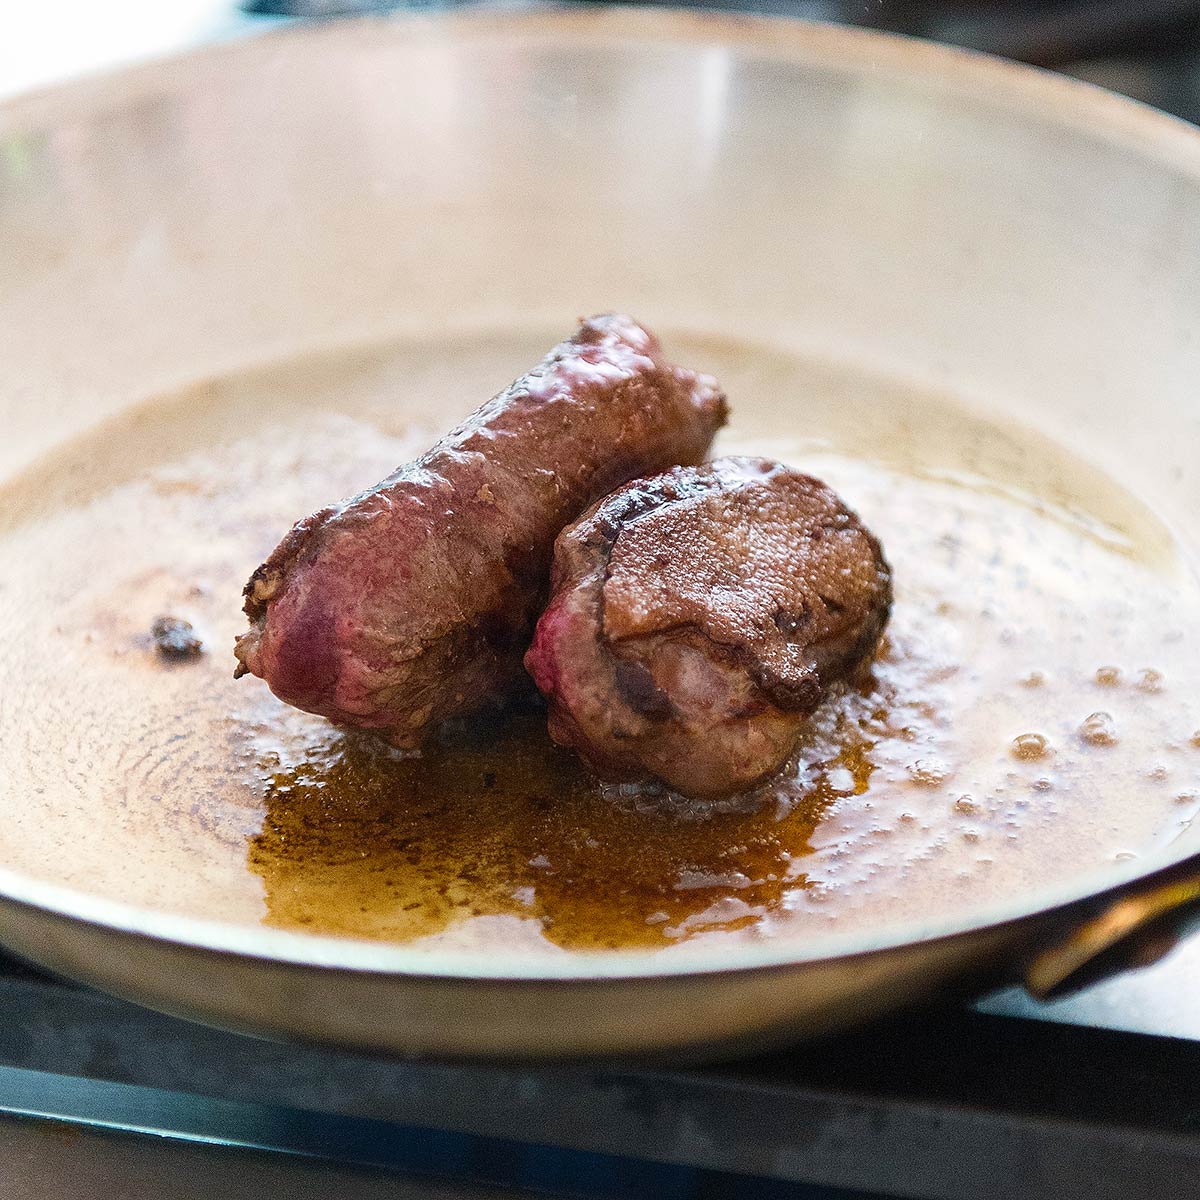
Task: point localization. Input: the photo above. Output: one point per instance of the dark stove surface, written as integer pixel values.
(1093, 1097)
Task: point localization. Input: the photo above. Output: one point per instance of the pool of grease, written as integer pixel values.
(1032, 712)
(494, 819)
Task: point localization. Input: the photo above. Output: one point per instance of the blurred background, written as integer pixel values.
(1148, 49)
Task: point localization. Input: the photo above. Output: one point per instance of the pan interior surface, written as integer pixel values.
(962, 292)
(1029, 715)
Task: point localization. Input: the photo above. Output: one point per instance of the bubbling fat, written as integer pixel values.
(1031, 715)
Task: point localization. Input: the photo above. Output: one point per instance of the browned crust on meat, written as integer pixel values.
(414, 600)
(749, 571)
(264, 584)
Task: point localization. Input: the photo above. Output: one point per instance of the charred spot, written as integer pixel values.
(253, 607)
(790, 623)
(267, 580)
(799, 695)
(636, 687)
(175, 639)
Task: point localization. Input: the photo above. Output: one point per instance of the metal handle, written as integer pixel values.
(1135, 930)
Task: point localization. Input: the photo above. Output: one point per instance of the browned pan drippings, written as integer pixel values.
(970, 764)
(498, 821)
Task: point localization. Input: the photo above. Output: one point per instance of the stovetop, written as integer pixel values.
(1096, 1096)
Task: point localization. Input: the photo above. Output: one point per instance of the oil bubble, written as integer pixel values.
(1149, 680)
(1030, 746)
(928, 772)
(1098, 730)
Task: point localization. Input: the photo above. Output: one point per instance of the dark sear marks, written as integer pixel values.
(698, 619)
(414, 601)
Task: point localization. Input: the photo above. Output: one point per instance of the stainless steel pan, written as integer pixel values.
(1013, 238)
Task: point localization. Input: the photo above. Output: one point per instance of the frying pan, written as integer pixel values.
(1028, 244)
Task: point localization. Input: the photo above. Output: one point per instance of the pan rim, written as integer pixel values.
(360, 956)
(1087, 107)
(1089, 110)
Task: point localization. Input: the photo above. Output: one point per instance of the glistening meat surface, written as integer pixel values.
(699, 617)
(415, 600)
